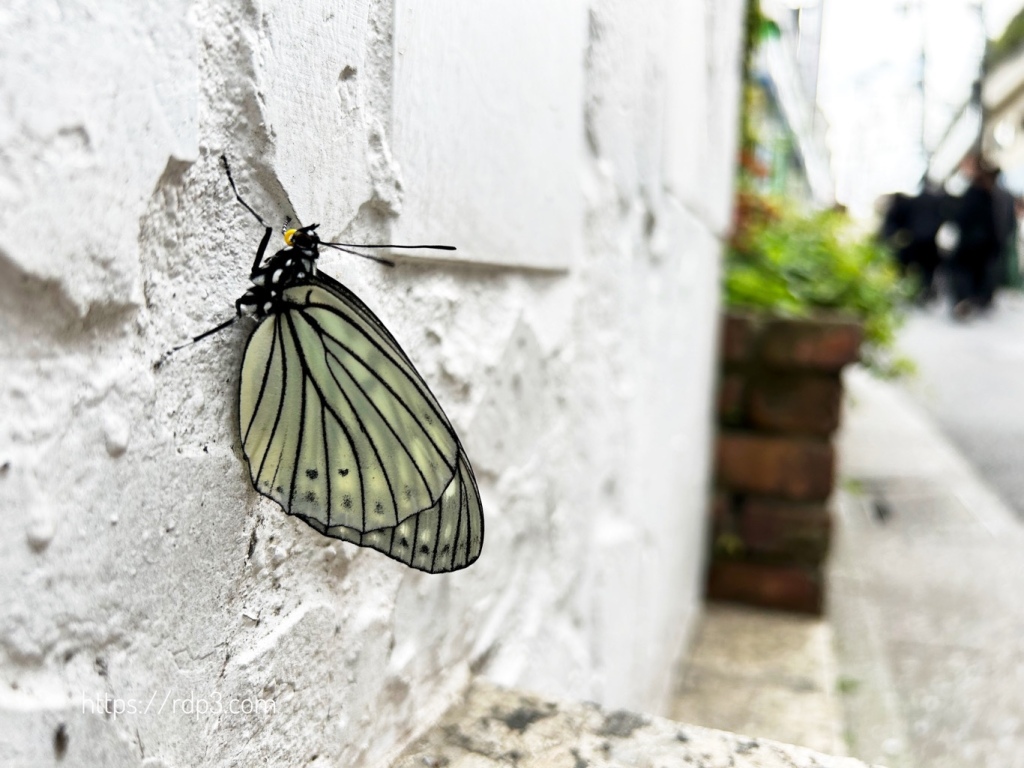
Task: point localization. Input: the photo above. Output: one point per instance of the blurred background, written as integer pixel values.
(882, 139)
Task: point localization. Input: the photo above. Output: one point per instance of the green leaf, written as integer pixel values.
(787, 261)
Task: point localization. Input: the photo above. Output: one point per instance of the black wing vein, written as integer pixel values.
(280, 404)
(413, 379)
(359, 421)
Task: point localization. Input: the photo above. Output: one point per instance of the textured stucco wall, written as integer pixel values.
(138, 567)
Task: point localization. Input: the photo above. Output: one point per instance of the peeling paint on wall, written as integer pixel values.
(147, 584)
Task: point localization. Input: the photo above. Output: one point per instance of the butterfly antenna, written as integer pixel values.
(370, 256)
(238, 197)
(217, 329)
(392, 245)
(347, 248)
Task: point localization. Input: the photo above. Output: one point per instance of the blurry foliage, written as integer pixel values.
(784, 261)
(756, 28)
(729, 545)
(847, 685)
(1007, 43)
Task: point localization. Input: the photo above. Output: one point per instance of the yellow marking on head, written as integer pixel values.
(288, 235)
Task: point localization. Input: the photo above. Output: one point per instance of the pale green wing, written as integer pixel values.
(446, 537)
(340, 429)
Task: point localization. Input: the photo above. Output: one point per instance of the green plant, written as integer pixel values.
(847, 685)
(1008, 43)
(785, 261)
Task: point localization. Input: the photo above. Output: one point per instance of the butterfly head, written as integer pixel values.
(302, 237)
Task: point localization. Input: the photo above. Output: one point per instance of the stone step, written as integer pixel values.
(496, 727)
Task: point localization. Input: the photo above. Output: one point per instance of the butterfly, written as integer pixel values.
(337, 425)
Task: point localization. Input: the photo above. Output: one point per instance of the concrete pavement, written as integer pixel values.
(925, 668)
(971, 381)
(927, 593)
(766, 674)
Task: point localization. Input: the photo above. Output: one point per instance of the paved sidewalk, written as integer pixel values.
(971, 382)
(766, 674)
(926, 594)
(925, 668)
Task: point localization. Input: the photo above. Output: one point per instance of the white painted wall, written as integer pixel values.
(587, 150)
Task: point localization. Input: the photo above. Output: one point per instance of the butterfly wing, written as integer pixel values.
(340, 429)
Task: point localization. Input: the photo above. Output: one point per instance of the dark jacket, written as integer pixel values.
(975, 218)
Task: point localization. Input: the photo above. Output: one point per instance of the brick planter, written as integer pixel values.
(778, 405)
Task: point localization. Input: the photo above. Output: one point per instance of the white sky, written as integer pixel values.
(869, 88)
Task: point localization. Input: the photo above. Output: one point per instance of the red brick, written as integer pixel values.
(785, 531)
(738, 335)
(721, 509)
(788, 588)
(801, 469)
(825, 345)
(731, 391)
(806, 403)
(725, 541)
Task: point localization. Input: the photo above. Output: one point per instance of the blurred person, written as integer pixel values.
(973, 261)
(895, 227)
(910, 227)
(1005, 270)
(1015, 267)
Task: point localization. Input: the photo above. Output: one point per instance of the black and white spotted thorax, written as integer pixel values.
(292, 265)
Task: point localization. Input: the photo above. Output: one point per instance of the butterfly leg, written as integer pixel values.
(260, 253)
(262, 250)
(166, 355)
(248, 300)
(212, 331)
(238, 197)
